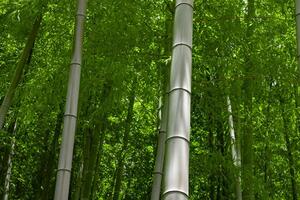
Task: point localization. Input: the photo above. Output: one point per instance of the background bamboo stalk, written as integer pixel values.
(159, 161)
(235, 151)
(9, 164)
(19, 70)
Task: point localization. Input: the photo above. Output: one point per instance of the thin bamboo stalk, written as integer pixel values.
(297, 2)
(19, 70)
(159, 161)
(9, 164)
(164, 72)
(126, 140)
(235, 151)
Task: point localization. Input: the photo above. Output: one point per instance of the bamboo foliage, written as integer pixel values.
(291, 161)
(285, 114)
(247, 135)
(70, 117)
(176, 180)
(19, 70)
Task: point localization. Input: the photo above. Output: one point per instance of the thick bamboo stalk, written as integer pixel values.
(70, 117)
(235, 151)
(176, 171)
(19, 70)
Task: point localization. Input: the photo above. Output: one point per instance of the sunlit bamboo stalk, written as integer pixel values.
(70, 117)
(176, 171)
(235, 151)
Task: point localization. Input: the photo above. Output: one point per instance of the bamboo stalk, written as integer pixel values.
(70, 117)
(235, 151)
(19, 70)
(9, 164)
(159, 161)
(126, 140)
(177, 142)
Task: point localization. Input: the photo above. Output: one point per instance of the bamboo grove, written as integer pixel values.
(167, 99)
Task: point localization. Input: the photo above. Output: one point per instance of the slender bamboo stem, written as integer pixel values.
(286, 132)
(235, 151)
(93, 147)
(9, 164)
(19, 70)
(163, 114)
(159, 161)
(126, 139)
(297, 2)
